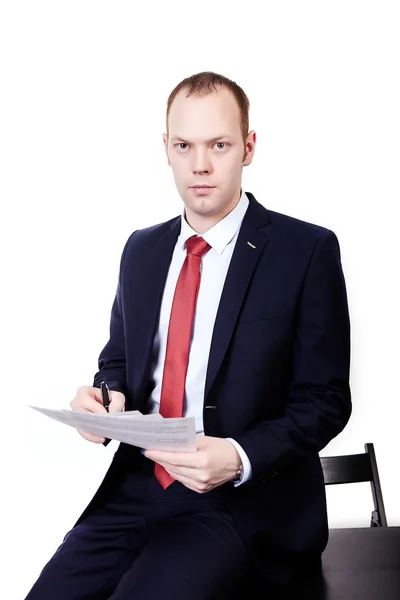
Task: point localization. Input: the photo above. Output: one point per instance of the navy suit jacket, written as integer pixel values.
(278, 370)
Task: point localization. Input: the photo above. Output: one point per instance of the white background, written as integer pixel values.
(84, 86)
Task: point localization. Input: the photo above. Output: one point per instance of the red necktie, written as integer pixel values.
(178, 341)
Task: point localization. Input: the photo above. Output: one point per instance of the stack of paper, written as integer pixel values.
(132, 427)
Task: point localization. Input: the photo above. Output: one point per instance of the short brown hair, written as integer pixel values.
(205, 83)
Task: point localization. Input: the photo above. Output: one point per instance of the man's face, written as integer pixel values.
(206, 148)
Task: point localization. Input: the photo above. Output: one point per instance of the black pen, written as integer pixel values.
(106, 401)
(105, 394)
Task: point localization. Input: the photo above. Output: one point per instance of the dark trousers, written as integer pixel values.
(142, 542)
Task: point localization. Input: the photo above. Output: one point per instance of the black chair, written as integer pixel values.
(355, 468)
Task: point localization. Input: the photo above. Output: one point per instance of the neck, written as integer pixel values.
(202, 223)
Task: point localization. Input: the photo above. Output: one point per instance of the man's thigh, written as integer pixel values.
(95, 554)
(196, 555)
(89, 563)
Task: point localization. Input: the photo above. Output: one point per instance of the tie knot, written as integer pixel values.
(197, 245)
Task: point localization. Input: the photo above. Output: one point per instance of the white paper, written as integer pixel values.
(132, 427)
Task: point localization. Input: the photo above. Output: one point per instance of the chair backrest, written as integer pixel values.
(355, 468)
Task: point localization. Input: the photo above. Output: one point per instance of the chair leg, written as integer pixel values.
(375, 519)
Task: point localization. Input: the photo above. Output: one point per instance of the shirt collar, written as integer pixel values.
(221, 234)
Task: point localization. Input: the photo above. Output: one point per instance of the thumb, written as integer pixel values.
(117, 402)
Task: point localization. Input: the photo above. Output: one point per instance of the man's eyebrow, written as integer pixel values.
(219, 137)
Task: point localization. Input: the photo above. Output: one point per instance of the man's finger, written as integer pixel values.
(96, 439)
(196, 475)
(196, 486)
(185, 459)
(88, 404)
(117, 402)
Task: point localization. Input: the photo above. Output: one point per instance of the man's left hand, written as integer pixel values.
(215, 462)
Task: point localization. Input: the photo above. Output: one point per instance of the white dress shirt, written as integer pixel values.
(214, 267)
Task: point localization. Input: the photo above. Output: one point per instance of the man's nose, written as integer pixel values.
(201, 162)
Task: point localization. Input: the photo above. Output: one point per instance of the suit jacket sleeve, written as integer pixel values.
(112, 359)
(317, 405)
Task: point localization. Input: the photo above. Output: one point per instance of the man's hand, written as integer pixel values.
(215, 462)
(89, 400)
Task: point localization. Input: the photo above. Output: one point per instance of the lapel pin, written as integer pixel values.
(251, 245)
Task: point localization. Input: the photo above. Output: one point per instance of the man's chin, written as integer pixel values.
(202, 209)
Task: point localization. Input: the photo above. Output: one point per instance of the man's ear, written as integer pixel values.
(165, 140)
(249, 148)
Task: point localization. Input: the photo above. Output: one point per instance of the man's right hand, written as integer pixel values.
(89, 400)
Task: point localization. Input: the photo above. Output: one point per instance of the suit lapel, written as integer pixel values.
(244, 260)
(147, 303)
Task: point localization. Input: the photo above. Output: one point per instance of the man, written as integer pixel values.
(237, 316)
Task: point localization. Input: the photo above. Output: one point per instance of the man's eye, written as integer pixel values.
(182, 144)
(221, 144)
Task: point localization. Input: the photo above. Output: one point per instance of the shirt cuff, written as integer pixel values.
(246, 473)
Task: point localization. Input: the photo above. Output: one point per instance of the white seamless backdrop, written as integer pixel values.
(84, 86)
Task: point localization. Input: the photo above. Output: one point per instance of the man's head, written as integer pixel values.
(208, 143)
